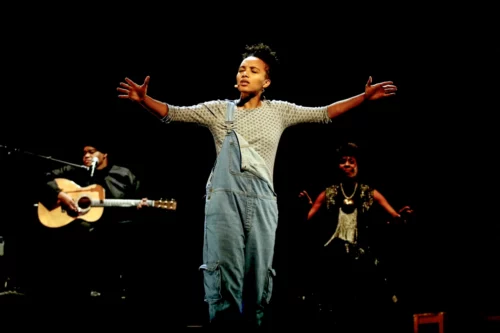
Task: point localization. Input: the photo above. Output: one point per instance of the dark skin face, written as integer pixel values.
(348, 165)
(252, 78)
(90, 152)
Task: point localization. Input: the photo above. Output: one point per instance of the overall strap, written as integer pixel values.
(230, 116)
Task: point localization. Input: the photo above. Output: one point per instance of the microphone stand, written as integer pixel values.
(10, 150)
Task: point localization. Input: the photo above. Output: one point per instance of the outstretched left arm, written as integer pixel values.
(372, 92)
(396, 215)
(382, 201)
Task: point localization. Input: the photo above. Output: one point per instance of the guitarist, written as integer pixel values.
(353, 284)
(102, 245)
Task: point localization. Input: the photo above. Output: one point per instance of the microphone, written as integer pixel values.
(92, 167)
(236, 86)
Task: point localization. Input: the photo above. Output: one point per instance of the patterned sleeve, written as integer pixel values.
(295, 114)
(205, 114)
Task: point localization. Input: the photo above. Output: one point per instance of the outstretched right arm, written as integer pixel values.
(138, 93)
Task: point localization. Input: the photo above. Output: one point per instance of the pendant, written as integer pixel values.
(348, 202)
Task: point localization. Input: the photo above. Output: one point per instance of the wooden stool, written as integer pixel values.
(428, 318)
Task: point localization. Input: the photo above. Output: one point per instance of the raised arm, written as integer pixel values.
(138, 93)
(372, 92)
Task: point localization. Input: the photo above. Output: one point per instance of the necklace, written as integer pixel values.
(348, 199)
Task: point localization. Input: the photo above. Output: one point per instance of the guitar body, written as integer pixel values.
(58, 216)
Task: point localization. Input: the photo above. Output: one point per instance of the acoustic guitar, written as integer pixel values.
(90, 201)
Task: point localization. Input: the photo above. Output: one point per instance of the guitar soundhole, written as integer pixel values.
(84, 202)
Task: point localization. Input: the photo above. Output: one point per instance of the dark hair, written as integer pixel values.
(264, 53)
(348, 149)
(101, 146)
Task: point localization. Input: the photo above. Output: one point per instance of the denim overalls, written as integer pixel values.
(241, 217)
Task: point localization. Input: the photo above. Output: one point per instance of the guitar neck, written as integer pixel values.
(118, 203)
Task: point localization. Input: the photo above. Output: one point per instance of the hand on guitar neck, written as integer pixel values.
(143, 203)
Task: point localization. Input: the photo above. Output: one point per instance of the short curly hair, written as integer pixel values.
(263, 52)
(348, 149)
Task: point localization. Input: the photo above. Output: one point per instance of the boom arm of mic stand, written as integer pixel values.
(45, 157)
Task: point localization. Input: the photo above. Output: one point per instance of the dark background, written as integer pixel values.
(60, 75)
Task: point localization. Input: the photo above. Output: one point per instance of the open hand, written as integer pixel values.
(304, 194)
(133, 91)
(404, 214)
(379, 90)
